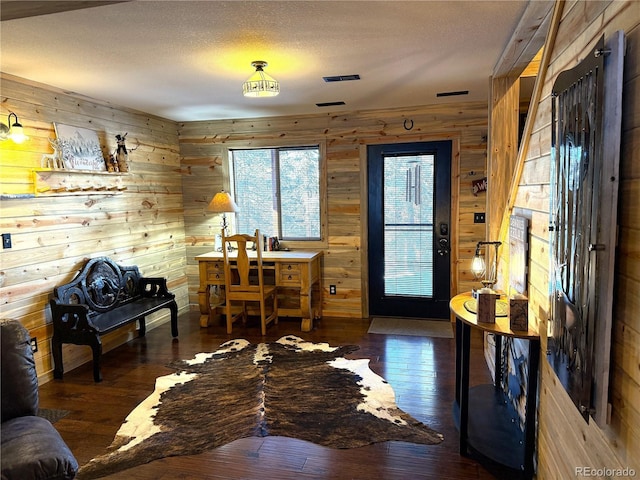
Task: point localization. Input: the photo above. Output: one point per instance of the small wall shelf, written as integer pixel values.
(54, 182)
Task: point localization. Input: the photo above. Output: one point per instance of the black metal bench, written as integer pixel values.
(104, 296)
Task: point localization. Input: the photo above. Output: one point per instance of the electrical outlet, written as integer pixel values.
(332, 289)
(6, 240)
(478, 217)
(34, 344)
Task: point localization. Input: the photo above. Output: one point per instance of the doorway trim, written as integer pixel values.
(364, 210)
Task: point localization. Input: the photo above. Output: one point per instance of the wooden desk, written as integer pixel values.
(297, 270)
(487, 421)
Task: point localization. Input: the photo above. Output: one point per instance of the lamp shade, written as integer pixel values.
(260, 84)
(14, 130)
(17, 133)
(222, 203)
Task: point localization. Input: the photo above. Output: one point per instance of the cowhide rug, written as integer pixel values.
(290, 388)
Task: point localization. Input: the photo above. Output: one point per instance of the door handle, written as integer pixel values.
(443, 247)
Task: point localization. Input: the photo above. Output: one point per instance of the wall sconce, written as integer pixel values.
(478, 267)
(14, 131)
(223, 203)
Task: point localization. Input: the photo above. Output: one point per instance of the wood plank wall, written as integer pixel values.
(505, 102)
(53, 236)
(565, 440)
(203, 149)
(504, 166)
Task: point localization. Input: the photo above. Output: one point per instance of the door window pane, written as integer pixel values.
(408, 225)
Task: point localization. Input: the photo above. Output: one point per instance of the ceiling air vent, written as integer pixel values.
(329, 104)
(452, 94)
(341, 78)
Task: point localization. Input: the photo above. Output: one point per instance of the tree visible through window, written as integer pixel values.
(278, 191)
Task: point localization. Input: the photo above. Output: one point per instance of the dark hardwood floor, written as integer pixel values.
(421, 370)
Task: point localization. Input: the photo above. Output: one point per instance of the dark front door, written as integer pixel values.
(409, 224)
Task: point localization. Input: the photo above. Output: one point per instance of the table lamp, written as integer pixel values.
(478, 267)
(223, 203)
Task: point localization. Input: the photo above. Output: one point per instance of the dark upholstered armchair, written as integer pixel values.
(31, 447)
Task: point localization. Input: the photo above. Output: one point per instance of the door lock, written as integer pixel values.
(443, 247)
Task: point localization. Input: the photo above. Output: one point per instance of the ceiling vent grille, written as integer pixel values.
(341, 78)
(452, 94)
(329, 104)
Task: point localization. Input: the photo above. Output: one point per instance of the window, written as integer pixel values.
(278, 191)
(408, 224)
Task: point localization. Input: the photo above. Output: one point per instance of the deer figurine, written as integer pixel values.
(122, 155)
(53, 160)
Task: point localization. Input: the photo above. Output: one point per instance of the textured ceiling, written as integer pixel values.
(186, 60)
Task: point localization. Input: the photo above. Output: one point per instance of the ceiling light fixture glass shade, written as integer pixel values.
(260, 84)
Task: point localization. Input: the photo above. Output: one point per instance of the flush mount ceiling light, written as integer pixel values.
(260, 84)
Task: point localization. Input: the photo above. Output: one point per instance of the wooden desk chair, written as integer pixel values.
(241, 285)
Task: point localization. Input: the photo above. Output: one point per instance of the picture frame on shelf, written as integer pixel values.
(80, 148)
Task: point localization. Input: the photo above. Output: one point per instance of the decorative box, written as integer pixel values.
(519, 313)
(486, 305)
